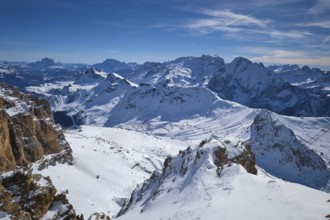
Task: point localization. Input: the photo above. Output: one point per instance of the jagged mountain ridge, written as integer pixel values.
(254, 85)
(183, 170)
(205, 182)
(242, 81)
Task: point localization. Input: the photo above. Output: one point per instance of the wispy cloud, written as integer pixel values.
(288, 34)
(221, 20)
(325, 41)
(273, 56)
(320, 7)
(231, 18)
(319, 24)
(236, 26)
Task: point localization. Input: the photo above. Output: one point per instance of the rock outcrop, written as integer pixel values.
(28, 131)
(189, 168)
(28, 196)
(27, 134)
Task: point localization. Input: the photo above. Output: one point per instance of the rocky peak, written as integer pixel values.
(242, 66)
(186, 169)
(43, 64)
(280, 153)
(112, 65)
(306, 68)
(283, 68)
(91, 72)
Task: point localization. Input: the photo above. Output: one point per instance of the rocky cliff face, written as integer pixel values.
(255, 86)
(27, 134)
(28, 131)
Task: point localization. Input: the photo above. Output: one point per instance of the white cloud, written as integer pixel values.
(240, 27)
(272, 56)
(325, 41)
(223, 20)
(319, 24)
(296, 35)
(228, 17)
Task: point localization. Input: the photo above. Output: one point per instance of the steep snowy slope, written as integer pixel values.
(168, 103)
(88, 99)
(278, 149)
(280, 153)
(205, 183)
(254, 85)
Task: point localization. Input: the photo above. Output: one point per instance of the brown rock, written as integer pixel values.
(246, 159)
(27, 136)
(7, 160)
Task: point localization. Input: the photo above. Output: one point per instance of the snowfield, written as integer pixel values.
(109, 163)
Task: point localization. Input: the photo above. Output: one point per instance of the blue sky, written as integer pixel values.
(89, 31)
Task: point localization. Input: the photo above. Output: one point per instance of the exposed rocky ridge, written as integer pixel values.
(180, 171)
(280, 153)
(255, 86)
(28, 131)
(28, 196)
(302, 77)
(184, 71)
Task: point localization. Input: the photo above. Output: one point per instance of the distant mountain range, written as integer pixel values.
(257, 136)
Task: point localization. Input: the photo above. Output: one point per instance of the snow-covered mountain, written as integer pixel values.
(254, 85)
(214, 181)
(281, 154)
(300, 76)
(112, 65)
(287, 90)
(125, 119)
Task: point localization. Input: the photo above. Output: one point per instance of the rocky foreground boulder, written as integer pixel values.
(28, 196)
